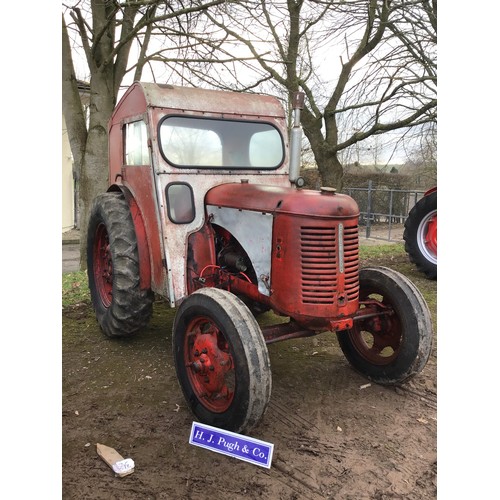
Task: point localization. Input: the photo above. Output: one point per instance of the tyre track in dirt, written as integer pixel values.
(428, 398)
(301, 439)
(297, 480)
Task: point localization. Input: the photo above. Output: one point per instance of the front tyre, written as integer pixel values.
(121, 306)
(420, 235)
(221, 360)
(394, 345)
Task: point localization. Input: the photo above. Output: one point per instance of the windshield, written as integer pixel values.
(210, 143)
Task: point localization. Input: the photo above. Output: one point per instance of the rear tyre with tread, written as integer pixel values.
(420, 235)
(121, 306)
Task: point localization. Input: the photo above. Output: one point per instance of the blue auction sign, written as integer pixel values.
(229, 443)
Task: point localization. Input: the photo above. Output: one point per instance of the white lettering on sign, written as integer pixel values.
(230, 443)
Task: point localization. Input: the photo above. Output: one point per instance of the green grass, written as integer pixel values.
(75, 288)
(378, 251)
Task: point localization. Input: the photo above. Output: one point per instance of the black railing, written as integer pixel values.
(383, 212)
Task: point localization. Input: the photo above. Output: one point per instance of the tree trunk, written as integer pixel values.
(330, 169)
(72, 106)
(94, 169)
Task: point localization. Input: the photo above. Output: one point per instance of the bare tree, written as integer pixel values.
(106, 31)
(421, 161)
(378, 58)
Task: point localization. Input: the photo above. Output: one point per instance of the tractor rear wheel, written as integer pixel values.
(420, 235)
(221, 360)
(121, 306)
(394, 345)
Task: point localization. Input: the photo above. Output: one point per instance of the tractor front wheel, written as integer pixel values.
(221, 360)
(393, 342)
(121, 306)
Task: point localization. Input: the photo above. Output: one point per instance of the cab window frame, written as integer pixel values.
(232, 168)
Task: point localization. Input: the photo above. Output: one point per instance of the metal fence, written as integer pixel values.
(383, 212)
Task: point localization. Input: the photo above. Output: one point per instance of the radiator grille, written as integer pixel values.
(320, 267)
(351, 262)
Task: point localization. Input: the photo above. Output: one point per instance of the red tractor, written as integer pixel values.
(420, 234)
(204, 208)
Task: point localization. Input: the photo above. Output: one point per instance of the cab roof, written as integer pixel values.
(142, 95)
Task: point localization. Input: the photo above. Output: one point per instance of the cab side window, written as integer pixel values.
(136, 144)
(180, 202)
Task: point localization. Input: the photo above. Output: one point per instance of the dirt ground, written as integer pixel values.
(335, 435)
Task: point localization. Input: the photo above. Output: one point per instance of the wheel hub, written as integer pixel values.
(210, 365)
(377, 338)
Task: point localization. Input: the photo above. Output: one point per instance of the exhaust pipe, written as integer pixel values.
(296, 140)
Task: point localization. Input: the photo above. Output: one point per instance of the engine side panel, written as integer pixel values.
(253, 230)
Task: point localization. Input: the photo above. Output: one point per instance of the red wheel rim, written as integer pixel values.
(431, 235)
(378, 339)
(103, 265)
(210, 366)
(427, 236)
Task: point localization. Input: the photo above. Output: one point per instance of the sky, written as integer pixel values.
(468, 180)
